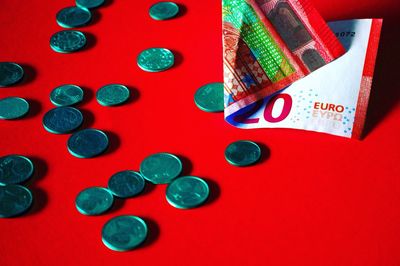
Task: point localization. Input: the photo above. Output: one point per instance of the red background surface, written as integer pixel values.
(315, 200)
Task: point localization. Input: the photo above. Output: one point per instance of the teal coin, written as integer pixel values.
(161, 168)
(94, 201)
(187, 192)
(67, 41)
(15, 169)
(66, 95)
(123, 233)
(126, 184)
(62, 120)
(13, 108)
(210, 97)
(14, 200)
(89, 3)
(155, 59)
(242, 153)
(10, 73)
(72, 17)
(87, 143)
(112, 95)
(163, 10)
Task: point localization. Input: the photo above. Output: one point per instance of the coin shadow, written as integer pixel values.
(106, 3)
(117, 205)
(215, 191)
(114, 142)
(178, 58)
(96, 16)
(40, 169)
(134, 95)
(88, 118)
(91, 41)
(187, 165)
(34, 108)
(265, 152)
(88, 95)
(153, 232)
(182, 10)
(40, 200)
(30, 74)
(148, 188)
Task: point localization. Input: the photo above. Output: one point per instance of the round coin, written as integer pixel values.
(163, 10)
(242, 153)
(15, 169)
(210, 97)
(126, 184)
(123, 233)
(94, 201)
(10, 73)
(89, 3)
(187, 192)
(62, 120)
(13, 108)
(72, 17)
(67, 41)
(66, 95)
(87, 143)
(113, 94)
(155, 59)
(161, 168)
(14, 200)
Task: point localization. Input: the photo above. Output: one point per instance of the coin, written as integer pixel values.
(163, 10)
(13, 108)
(62, 120)
(66, 95)
(126, 184)
(161, 168)
(15, 169)
(87, 143)
(187, 192)
(89, 3)
(210, 97)
(113, 94)
(123, 233)
(14, 200)
(10, 73)
(94, 201)
(242, 153)
(72, 17)
(155, 59)
(67, 41)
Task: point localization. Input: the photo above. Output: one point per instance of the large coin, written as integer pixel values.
(155, 59)
(62, 120)
(89, 3)
(13, 108)
(15, 169)
(161, 168)
(126, 184)
(187, 192)
(87, 143)
(210, 97)
(66, 95)
(67, 41)
(113, 94)
(10, 73)
(14, 200)
(72, 17)
(242, 153)
(163, 10)
(94, 201)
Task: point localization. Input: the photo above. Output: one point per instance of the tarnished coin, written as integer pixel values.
(14, 200)
(187, 192)
(67, 41)
(210, 97)
(10, 73)
(113, 94)
(62, 120)
(72, 17)
(155, 59)
(89, 3)
(94, 201)
(15, 169)
(123, 233)
(13, 108)
(242, 153)
(163, 10)
(126, 184)
(161, 168)
(87, 143)
(66, 95)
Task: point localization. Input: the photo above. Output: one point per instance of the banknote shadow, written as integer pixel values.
(187, 165)
(88, 119)
(30, 74)
(88, 95)
(215, 191)
(153, 232)
(114, 142)
(35, 107)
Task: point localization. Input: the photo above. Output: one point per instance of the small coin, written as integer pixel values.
(15, 169)
(14, 200)
(66, 95)
(87, 143)
(89, 3)
(163, 10)
(161, 168)
(94, 201)
(112, 95)
(123, 233)
(67, 41)
(62, 120)
(72, 17)
(187, 192)
(126, 184)
(155, 59)
(10, 73)
(210, 97)
(13, 108)
(242, 153)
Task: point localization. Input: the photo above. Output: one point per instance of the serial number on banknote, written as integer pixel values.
(345, 34)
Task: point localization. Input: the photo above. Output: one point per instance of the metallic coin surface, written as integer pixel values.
(161, 168)
(67, 41)
(10, 73)
(72, 17)
(66, 95)
(187, 192)
(155, 59)
(126, 184)
(62, 120)
(87, 143)
(94, 201)
(210, 97)
(89, 3)
(123, 233)
(15, 169)
(163, 10)
(13, 108)
(113, 94)
(242, 153)
(14, 200)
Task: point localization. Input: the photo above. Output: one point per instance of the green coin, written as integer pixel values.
(187, 192)
(210, 97)
(15, 169)
(62, 120)
(242, 153)
(87, 143)
(155, 59)
(14, 200)
(112, 95)
(126, 184)
(72, 17)
(89, 3)
(10, 73)
(94, 201)
(163, 10)
(67, 41)
(161, 168)
(123, 233)
(66, 95)
(13, 108)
